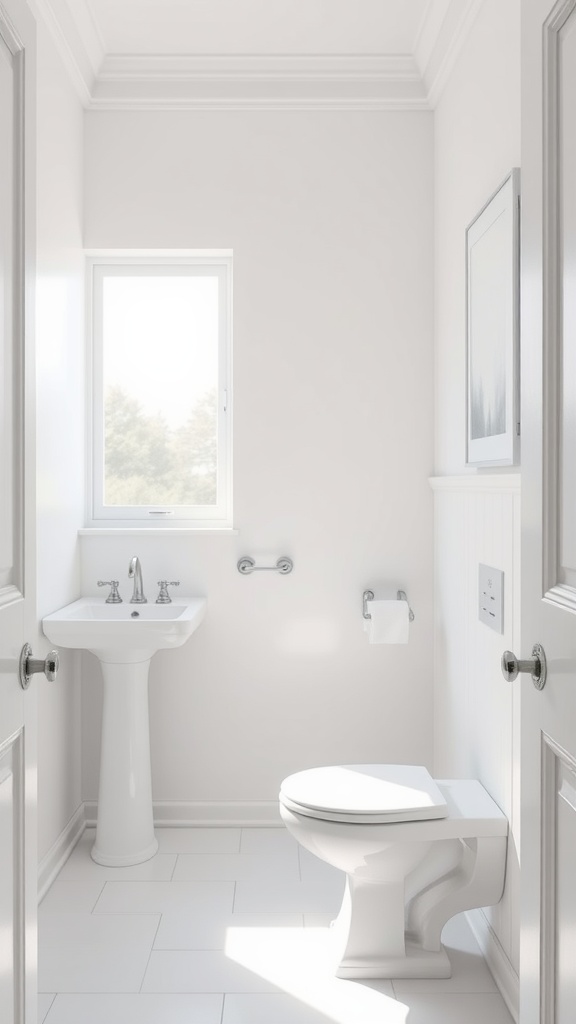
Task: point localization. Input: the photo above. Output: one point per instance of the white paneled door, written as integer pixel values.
(548, 764)
(17, 523)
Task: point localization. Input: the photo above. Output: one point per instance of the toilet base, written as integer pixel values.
(417, 963)
(369, 940)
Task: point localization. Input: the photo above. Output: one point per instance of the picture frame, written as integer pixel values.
(492, 329)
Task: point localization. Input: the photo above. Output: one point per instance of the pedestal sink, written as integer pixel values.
(124, 637)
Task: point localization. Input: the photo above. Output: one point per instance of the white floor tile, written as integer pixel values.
(200, 971)
(210, 931)
(299, 962)
(267, 840)
(71, 897)
(269, 1009)
(198, 930)
(469, 1008)
(136, 1009)
(81, 867)
(95, 953)
(286, 1009)
(315, 896)
(45, 1001)
(469, 974)
(151, 897)
(237, 867)
(240, 936)
(198, 840)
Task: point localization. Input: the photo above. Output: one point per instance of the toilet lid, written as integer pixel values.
(366, 793)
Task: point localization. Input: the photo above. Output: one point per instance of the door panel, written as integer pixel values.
(560, 93)
(18, 875)
(548, 717)
(12, 878)
(558, 895)
(12, 302)
(558, 84)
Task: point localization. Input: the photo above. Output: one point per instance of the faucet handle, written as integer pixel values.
(113, 596)
(164, 596)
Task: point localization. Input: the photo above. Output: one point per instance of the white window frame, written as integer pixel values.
(158, 516)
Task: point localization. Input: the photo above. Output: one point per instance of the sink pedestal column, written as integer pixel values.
(125, 828)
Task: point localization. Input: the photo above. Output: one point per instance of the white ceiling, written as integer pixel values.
(259, 26)
(259, 54)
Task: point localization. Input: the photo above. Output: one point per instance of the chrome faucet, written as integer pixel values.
(135, 573)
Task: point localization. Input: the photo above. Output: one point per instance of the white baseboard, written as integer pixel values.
(500, 967)
(171, 814)
(166, 815)
(52, 863)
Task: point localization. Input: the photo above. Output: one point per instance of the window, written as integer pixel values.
(161, 390)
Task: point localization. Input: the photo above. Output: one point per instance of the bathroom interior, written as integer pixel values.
(346, 222)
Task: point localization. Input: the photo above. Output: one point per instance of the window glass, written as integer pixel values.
(160, 391)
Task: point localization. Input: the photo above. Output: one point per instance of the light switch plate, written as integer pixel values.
(491, 597)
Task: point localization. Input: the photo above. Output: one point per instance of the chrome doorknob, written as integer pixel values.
(536, 666)
(29, 666)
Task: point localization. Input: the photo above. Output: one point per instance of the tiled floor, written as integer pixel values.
(226, 926)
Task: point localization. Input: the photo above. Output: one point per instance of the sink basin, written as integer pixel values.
(99, 627)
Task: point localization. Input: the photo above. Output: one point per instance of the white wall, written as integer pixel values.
(477, 142)
(330, 219)
(60, 426)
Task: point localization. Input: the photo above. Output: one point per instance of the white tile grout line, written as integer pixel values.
(150, 953)
(104, 884)
(171, 879)
(49, 1008)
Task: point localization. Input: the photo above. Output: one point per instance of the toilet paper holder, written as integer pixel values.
(368, 595)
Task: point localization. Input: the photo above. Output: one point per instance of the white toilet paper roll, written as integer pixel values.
(388, 623)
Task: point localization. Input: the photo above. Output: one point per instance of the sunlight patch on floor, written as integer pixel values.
(300, 963)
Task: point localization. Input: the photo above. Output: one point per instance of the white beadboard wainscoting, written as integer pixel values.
(476, 713)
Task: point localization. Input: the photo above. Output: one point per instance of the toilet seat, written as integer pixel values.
(364, 793)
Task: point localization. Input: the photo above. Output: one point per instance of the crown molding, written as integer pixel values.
(272, 82)
(77, 40)
(429, 31)
(290, 82)
(442, 35)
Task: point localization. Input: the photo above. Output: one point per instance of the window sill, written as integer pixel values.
(154, 531)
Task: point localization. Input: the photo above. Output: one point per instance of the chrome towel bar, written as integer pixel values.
(368, 595)
(247, 565)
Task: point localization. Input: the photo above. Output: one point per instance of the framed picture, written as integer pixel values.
(493, 342)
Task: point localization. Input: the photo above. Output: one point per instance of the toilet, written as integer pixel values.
(416, 851)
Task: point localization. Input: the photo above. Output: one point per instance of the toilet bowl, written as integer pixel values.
(416, 851)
